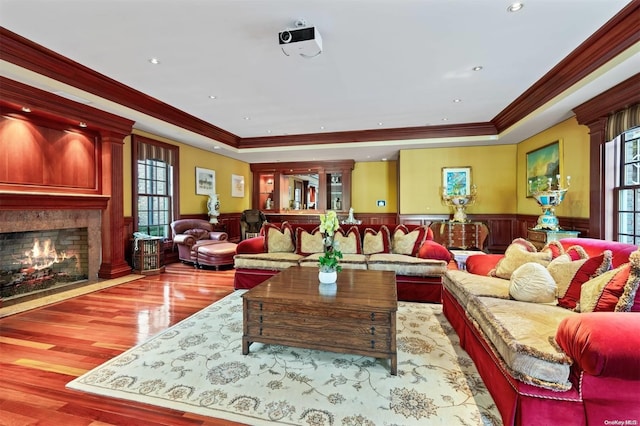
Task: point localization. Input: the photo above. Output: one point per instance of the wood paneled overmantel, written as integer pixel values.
(104, 191)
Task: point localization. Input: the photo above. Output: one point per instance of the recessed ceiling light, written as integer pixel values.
(26, 109)
(247, 118)
(154, 61)
(82, 124)
(515, 7)
(321, 127)
(476, 68)
(213, 97)
(268, 131)
(216, 147)
(445, 119)
(380, 123)
(457, 101)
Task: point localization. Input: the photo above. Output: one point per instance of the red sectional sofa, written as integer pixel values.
(518, 346)
(418, 276)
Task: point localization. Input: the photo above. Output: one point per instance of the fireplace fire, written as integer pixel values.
(51, 258)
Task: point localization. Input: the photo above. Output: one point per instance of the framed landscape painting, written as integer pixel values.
(456, 180)
(205, 181)
(543, 163)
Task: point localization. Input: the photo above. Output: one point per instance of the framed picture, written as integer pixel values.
(456, 180)
(237, 186)
(543, 163)
(205, 181)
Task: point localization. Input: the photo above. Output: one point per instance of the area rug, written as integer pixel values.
(197, 366)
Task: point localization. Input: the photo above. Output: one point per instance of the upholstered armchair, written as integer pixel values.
(188, 234)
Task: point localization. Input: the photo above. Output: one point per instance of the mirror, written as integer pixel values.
(299, 191)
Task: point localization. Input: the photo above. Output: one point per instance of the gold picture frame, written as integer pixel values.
(543, 163)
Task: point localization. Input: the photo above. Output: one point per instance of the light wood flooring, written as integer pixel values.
(43, 349)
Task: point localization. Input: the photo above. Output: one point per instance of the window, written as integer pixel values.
(627, 190)
(155, 186)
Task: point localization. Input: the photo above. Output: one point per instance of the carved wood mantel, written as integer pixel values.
(103, 190)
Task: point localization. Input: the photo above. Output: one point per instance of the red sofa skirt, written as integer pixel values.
(518, 402)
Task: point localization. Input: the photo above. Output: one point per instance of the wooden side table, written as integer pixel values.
(540, 237)
(460, 235)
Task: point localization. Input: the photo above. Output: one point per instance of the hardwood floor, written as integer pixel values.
(43, 349)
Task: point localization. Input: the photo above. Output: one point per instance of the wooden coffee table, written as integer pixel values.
(288, 309)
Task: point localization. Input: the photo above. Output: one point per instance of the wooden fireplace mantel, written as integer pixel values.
(40, 201)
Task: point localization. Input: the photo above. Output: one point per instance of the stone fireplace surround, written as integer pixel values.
(33, 220)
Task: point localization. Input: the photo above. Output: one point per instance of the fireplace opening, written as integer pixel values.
(37, 261)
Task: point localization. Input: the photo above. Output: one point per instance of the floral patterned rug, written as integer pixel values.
(197, 366)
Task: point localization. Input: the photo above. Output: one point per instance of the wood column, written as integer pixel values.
(597, 175)
(113, 262)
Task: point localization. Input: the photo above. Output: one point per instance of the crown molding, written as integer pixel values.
(617, 35)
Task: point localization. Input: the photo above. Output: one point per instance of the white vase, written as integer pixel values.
(327, 277)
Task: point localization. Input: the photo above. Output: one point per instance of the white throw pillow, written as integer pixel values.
(532, 282)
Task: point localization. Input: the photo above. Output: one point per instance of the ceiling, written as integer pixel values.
(386, 65)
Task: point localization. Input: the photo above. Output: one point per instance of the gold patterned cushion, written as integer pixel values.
(405, 242)
(308, 243)
(349, 242)
(278, 239)
(517, 254)
(376, 242)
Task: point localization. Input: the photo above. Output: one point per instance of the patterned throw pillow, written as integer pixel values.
(278, 239)
(349, 242)
(309, 243)
(613, 291)
(532, 282)
(405, 242)
(571, 278)
(376, 242)
(519, 252)
(555, 248)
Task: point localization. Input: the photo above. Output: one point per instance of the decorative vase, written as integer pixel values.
(327, 277)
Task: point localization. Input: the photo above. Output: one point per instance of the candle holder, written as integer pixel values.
(459, 202)
(548, 199)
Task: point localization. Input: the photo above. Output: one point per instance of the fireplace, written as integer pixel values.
(38, 260)
(47, 251)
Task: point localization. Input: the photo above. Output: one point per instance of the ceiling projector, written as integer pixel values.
(305, 42)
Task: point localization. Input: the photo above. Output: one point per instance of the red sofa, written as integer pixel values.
(601, 350)
(416, 287)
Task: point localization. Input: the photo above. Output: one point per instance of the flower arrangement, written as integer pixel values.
(329, 224)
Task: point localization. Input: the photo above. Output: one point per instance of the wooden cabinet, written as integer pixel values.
(460, 235)
(540, 237)
(310, 186)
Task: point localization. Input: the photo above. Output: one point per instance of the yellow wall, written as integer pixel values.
(190, 158)
(373, 181)
(574, 152)
(492, 171)
(498, 171)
